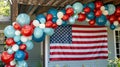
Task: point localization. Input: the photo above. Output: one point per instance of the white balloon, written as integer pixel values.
(60, 15)
(36, 23)
(116, 23)
(13, 62)
(102, 8)
(24, 39)
(14, 23)
(42, 25)
(59, 21)
(87, 19)
(105, 12)
(15, 47)
(17, 32)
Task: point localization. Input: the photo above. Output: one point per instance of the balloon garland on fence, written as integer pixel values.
(21, 33)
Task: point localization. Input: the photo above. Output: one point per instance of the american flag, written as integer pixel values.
(76, 42)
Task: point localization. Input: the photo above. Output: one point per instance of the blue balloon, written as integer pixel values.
(71, 20)
(64, 23)
(41, 18)
(85, 5)
(75, 16)
(29, 45)
(19, 42)
(53, 11)
(54, 19)
(49, 31)
(9, 31)
(106, 7)
(112, 26)
(10, 51)
(19, 55)
(38, 32)
(101, 20)
(91, 5)
(39, 39)
(23, 19)
(111, 9)
(22, 64)
(17, 38)
(78, 7)
(90, 15)
(63, 11)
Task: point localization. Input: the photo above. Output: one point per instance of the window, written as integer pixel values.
(4, 11)
(117, 42)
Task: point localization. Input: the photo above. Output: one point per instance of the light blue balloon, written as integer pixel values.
(22, 64)
(38, 32)
(10, 51)
(41, 18)
(39, 39)
(78, 7)
(68, 6)
(19, 55)
(49, 31)
(29, 45)
(23, 19)
(75, 16)
(71, 20)
(107, 23)
(111, 9)
(17, 38)
(9, 31)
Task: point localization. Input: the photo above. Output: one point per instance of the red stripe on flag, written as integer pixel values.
(77, 53)
(88, 31)
(73, 59)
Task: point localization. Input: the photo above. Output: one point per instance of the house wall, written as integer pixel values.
(89, 63)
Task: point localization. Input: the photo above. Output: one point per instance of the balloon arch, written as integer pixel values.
(22, 32)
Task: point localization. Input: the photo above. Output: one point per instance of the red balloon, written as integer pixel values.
(98, 13)
(49, 24)
(87, 10)
(98, 4)
(17, 26)
(8, 65)
(65, 17)
(81, 17)
(23, 47)
(10, 41)
(31, 24)
(27, 30)
(70, 11)
(54, 25)
(26, 55)
(49, 17)
(112, 18)
(117, 12)
(6, 58)
(92, 22)
(118, 19)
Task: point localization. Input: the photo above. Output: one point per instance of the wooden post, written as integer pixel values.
(14, 10)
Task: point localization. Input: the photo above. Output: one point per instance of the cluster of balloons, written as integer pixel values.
(23, 31)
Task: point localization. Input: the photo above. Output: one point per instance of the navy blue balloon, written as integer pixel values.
(53, 11)
(38, 39)
(112, 26)
(19, 55)
(19, 43)
(101, 20)
(54, 19)
(41, 18)
(90, 15)
(91, 5)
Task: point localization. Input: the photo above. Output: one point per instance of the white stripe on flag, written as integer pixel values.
(88, 39)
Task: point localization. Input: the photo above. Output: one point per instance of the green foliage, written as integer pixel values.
(4, 8)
